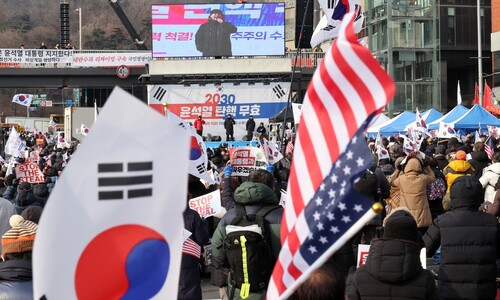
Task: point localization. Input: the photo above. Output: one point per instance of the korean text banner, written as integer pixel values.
(218, 29)
(215, 102)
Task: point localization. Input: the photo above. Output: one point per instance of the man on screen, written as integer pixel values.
(213, 38)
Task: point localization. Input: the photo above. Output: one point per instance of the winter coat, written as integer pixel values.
(455, 169)
(469, 247)
(16, 281)
(250, 125)
(384, 187)
(412, 183)
(229, 125)
(489, 180)
(10, 193)
(252, 195)
(393, 271)
(190, 277)
(214, 38)
(6, 211)
(479, 161)
(441, 160)
(198, 124)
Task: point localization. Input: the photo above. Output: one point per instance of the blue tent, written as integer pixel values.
(476, 116)
(431, 115)
(396, 125)
(454, 114)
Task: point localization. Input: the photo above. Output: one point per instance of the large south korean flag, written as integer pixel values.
(113, 227)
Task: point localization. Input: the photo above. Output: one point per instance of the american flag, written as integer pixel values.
(489, 147)
(346, 88)
(289, 147)
(190, 247)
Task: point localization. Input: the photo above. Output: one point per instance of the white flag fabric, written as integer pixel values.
(23, 99)
(271, 151)
(198, 159)
(297, 112)
(477, 138)
(382, 152)
(459, 94)
(446, 131)
(84, 129)
(14, 145)
(113, 227)
(328, 27)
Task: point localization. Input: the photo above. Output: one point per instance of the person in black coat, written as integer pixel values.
(250, 127)
(440, 157)
(480, 159)
(393, 269)
(213, 38)
(190, 277)
(469, 241)
(229, 126)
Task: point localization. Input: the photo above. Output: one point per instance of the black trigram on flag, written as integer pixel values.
(330, 4)
(160, 93)
(201, 168)
(118, 181)
(278, 90)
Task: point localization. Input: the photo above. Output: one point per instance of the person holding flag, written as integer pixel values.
(324, 209)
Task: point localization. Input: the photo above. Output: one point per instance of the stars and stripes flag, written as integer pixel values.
(489, 147)
(190, 247)
(347, 88)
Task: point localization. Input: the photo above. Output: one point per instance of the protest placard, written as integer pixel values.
(29, 172)
(247, 159)
(207, 205)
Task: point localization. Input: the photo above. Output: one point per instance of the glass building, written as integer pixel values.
(403, 36)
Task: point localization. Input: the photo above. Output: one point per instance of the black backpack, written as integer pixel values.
(249, 250)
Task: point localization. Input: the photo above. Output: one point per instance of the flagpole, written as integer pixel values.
(165, 109)
(27, 111)
(289, 99)
(479, 55)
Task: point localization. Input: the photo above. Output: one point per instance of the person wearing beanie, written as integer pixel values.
(16, 276)
(213, 38)
(469, 244)
(393, 269)
(32, 213)
(456, 168)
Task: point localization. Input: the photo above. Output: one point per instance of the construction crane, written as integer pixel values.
(125, 21)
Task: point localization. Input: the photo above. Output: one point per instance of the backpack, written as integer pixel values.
(249, 251)
(437, 189)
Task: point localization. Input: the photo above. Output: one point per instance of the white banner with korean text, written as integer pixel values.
(110, 59)
(34, 56)
(215, 101)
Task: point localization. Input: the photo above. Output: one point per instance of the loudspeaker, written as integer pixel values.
(64, 11)
(300, 12)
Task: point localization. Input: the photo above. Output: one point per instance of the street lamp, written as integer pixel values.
(79, 10)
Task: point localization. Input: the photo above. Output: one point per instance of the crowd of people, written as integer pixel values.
(442, 198)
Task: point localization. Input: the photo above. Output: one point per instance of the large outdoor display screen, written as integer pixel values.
(196, 30)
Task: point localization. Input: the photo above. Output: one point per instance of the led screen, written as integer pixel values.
(197, 30)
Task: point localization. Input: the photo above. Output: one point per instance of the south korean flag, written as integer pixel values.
(198, 159)
(115, 215)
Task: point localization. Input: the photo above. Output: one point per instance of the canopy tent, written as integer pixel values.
(476, 116)
(454, 114)
(395, 125)
(379, 120)
(279, 117)
(431, 115)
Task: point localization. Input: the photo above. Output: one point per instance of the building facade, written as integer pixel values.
(495, 45)
(427, 46)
